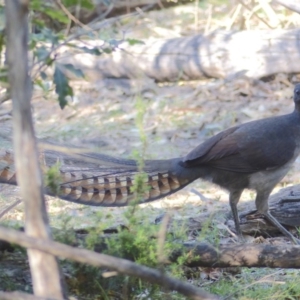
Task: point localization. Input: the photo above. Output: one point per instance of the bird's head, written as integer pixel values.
(297, 94)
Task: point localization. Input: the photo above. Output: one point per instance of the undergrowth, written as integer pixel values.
(136, 240)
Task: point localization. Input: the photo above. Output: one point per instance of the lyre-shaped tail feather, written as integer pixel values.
(7, 170)
(105, 186)
(116, 189)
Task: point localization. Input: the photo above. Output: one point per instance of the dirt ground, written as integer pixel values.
(179, 116)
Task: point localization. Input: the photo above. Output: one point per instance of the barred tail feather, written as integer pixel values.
(102, 185)
(115, 190)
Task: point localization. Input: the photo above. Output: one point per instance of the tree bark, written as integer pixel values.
(198, 255)
(44, 268)
(242, 255)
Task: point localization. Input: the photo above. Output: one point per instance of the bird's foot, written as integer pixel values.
(284, 231)
(247, 213)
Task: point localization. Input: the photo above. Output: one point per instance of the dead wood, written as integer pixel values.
(243, 255)
(20, 296)
(289, 4)
(221, 54)
(104, 9)
(122, 7)
(276, 255)
(44, 268)
(284, 206)
(122, 266)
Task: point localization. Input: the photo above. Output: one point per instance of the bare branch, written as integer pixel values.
(122, 266)
(9, 208)
(20, 296)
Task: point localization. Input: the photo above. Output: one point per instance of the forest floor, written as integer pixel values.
(178, 117)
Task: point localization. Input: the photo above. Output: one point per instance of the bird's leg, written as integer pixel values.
(273, 220)
(263, 208)
(234, 198)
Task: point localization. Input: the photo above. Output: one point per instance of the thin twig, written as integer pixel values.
(162, 238)
(256, 15)
(70, 16)
(80, 32)
(10, 207)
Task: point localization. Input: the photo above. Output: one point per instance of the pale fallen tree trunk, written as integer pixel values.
(221, 54)
(122, 266)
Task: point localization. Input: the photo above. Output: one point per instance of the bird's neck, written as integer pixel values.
(297, 108)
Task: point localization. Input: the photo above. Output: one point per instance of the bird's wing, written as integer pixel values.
(244, 149)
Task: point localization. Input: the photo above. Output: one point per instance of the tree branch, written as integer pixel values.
(20, 296)
(44, 268)
(122, 266)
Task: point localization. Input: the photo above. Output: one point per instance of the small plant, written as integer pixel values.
(53, 179)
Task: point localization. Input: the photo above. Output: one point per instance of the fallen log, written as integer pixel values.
(242, 255)
(221, 54)
(284, 206)
(271, 254)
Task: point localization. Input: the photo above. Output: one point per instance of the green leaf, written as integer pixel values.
(94, 51)
(2, 40)
(2, 17)
(42, 84)
(88, 4)
(35, 5)
(32, 44)
(53, 178)
(132, 42)
(62, 87)
(49, 61)
(57, 15)
(41, 52)
(47, 35)
(4, 74)
(76, 71)
(107, 50)
(38, 22)
(43, 75)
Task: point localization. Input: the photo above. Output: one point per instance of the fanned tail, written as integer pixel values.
(107, 181)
